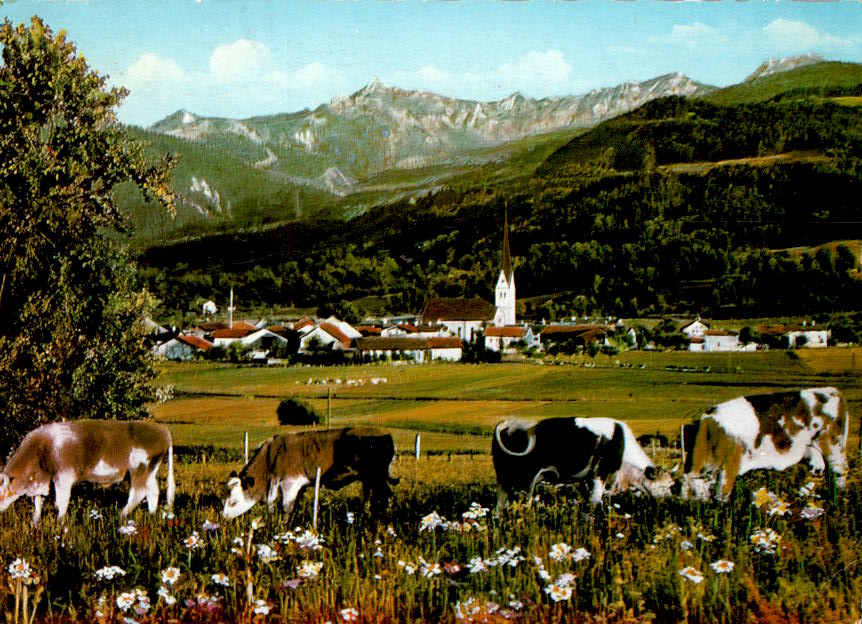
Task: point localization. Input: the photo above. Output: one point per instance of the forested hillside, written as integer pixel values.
(683, 205)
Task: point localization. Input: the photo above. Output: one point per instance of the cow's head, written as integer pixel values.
(660, 487)
(8, 495)
(238, 500)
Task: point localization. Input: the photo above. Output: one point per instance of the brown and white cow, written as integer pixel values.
(765, 431)
(98, 451)
(289, 462)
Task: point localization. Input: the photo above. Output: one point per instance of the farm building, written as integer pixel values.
(501, 338)
(418, 350)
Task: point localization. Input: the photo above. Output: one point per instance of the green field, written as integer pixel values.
(776, 552)
(455, 407)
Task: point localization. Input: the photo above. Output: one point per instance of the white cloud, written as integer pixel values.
(792, 37)
(242, 59)
(151, 71)
(536, 69)
(692, 35)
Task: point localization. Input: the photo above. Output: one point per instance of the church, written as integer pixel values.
(466, 318)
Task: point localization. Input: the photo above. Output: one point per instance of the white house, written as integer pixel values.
(808, 337)
(182, 348)
(720, 340)
(447, 348)
(259, 339)
(695, 329)
(327, 336)
(501, 338)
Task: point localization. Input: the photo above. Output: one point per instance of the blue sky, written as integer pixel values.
(242, 58)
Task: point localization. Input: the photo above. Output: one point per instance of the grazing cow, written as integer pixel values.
(289, 462)
(565, 450)
(99, 451)
(765, 431)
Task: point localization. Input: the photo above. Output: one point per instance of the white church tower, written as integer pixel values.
(504, 296)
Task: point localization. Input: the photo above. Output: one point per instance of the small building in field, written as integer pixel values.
(720, 340)
(799, 336)
(502, 338)
(695, 329)
(182, 348)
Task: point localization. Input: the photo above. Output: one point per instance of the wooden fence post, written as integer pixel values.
(417, 446)
(316, 498)
(245, 446)
(682, 444)
(329, 407)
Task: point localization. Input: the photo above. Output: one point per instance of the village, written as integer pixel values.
(448, 327)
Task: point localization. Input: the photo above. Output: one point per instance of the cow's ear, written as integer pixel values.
(232, 474)
(247, 482)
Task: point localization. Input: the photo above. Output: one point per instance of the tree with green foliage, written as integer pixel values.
(71, 331)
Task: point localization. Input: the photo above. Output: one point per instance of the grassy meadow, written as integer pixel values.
(786, 548)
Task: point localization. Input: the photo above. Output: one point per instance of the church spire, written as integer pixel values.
(507, 256)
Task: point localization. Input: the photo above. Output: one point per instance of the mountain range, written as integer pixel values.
(377, 144)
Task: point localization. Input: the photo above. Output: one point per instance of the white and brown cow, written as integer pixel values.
(568, 450)
(98, 451)
(765, 432)
(289, 462)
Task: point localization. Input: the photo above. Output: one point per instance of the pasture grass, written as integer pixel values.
(425, 560)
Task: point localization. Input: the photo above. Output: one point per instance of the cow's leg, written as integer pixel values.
(502, 499)
(272, 494)
(137, 491)
(290, 489)
(730, 471)
(37, 510)
(152, 489)
(598, 491)
(62, 492)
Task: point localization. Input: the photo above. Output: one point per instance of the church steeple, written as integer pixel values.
(504, 298)
(507, 255)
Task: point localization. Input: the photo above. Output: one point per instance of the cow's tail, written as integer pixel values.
(172, 486)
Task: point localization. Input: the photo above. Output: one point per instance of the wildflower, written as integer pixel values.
(811, 513)
(94, 514)
(558, 593)
(560, 551)
(256, 524)
(451, 567)
(566, 580)
(109, 572)
(762, 497)
(309, 569)
(266, 554)
(308, 540)
(779, 508)
(125, 601)
(685, 545)
(766, 541)
(691, 574)
(130, 528)
(466, 610)
(101, 603)
(193, 541)
(390, 531)
(476, 565)
(349, 517)
(168, 515)
(349, 614)
(165, 594)
(170, 575)
(409, 568)
(430, 569)
(291, 583)
(220, 578)
(431, 522)
(210, 526)
(808, 490)
(261, 607)
(722, 566)
(581, 554)
(517, 605)
(378, 553)
(20, 569)
(476, 511)
(706, 537)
